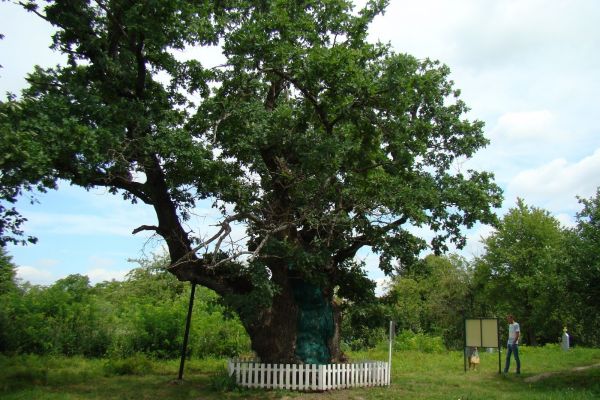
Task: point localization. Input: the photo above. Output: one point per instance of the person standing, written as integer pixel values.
(512, 346)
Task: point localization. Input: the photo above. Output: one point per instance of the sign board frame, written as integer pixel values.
(482, 333)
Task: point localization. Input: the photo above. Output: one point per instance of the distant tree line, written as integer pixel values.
(547, 275)
(143, 314)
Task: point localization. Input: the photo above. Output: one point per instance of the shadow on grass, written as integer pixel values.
(587, 379)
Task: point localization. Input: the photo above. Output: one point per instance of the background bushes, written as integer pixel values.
(145, 314)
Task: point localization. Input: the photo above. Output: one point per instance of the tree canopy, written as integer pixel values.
(317, 141)
(522, 272)
(582, 270)
(7, 273)
(434, 297)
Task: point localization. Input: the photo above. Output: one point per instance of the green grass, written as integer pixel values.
(415, 375)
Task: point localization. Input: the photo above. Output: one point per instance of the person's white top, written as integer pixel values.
(512, 332)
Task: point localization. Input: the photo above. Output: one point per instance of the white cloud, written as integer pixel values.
(555, 185)
(47, 262)
(566, 220)
(487, 33)
(383, 285)
(420, 28)
(39, 276)
(97, 262)
(71, 210)
(98, 275)
(210, 56)
(81, 224)
(27, 42)
(48, 271)
(498, 34)
(34, 275)
(475, 237)
(526, 125)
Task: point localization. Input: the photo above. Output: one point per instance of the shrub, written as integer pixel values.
(222, 382)
(363, 338)
(408, 340)
(22, 371)
(134, 365)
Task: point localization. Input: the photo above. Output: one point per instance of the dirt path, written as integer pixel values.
(545, 375)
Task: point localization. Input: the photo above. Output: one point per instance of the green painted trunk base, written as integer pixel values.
(315, 324)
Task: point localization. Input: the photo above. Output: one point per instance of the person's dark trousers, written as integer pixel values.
(512, 349)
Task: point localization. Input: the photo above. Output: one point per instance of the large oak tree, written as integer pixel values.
(317, 141)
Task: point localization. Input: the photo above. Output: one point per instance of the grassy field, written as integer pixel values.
(547, 373)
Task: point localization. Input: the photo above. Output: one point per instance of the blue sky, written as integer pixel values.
(529, 69)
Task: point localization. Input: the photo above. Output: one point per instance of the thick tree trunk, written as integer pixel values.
(273, 332)
(302, 325)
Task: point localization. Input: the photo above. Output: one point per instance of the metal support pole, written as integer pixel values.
(465, 341)
(187, 332)
(390, 353)
(499, 346)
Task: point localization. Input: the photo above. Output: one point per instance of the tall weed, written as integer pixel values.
(137, 364)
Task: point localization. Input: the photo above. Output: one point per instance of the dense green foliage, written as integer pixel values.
(144, 314)
(8, 286)
(582, 271)
(317, 141)
(433, 297)
(528, 254)
(7, 273)
(545, 274)
(521, 273)
(430, 298)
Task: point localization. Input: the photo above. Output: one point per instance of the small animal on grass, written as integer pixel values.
(473, 358)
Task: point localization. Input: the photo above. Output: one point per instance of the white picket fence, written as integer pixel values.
(309, 377)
